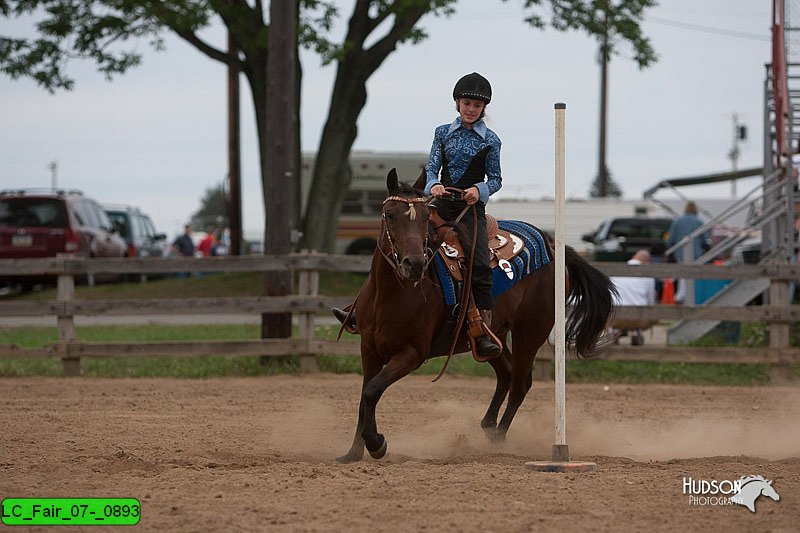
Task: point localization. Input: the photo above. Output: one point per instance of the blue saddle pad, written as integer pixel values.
(531, 258)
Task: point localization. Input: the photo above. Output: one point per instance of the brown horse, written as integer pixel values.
(401, 307)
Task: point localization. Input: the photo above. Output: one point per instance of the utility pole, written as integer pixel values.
(53, 166)
(233, 199)
(739, 135)
(602, 170)
(281, 166)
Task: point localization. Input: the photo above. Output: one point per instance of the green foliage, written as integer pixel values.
(620, 21)
(611, 186)
(70, 30)
(212, 209)
(316, 20)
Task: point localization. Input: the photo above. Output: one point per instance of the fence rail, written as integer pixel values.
(306, 304)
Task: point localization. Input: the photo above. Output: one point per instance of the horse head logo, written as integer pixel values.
(751, 487)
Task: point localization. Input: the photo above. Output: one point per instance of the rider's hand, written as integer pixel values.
(438, 190)
(472, 195)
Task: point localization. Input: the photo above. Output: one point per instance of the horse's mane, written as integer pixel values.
(745, 480)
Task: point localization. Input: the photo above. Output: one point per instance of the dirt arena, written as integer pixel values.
(257, 454)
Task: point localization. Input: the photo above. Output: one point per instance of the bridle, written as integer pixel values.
(392, 257)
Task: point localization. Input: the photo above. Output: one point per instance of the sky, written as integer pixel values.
(156, 136)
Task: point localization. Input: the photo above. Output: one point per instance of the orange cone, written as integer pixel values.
(668, 293)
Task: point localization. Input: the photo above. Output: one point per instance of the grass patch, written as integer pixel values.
(200, 286)
(221, 366)
(731, 374)
(590, 371)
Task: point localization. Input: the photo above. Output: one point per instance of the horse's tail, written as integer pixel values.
(591, 295)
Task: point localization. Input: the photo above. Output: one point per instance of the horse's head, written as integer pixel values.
(768, 490)
(404, 234)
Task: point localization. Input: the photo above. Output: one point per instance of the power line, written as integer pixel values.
(709, 29)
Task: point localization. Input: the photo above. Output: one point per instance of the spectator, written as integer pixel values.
(208, 244)
(682, 227)
(633, 291)
(183, 245)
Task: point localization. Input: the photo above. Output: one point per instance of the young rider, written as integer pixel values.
(465, 154)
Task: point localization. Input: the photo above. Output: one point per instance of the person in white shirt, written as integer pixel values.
(633, 291)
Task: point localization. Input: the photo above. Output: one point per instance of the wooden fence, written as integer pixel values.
(306, 304)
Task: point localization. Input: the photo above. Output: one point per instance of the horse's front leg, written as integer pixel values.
(356, 451)
(370, 369)
(400, 365)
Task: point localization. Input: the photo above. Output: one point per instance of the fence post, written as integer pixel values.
(779, 331)
(65, 323)
(307, 285)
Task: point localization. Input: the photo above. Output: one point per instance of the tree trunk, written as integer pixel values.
(234, 197)
(279, 155)
(332, 171)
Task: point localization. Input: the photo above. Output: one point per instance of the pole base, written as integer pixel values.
(560, 452)
(569, 467)
(560, 462)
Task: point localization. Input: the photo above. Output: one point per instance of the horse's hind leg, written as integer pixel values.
(525, 348)
(502, 370)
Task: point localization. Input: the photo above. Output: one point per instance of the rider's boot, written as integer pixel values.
(485, 347)
(341, 316)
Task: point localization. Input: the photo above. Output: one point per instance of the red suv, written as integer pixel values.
(37, 224)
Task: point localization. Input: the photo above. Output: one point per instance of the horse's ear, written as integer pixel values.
(391, 180)
(422, 180)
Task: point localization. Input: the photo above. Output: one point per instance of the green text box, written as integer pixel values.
(70, 511)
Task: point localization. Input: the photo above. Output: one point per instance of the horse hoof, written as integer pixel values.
(348, 458)
(495, 435)
(381, 451)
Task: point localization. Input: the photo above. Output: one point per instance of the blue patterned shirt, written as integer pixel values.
(460, 146)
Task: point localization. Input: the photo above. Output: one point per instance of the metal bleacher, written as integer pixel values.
(771, 205)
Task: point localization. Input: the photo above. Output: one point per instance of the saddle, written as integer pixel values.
(503, 246)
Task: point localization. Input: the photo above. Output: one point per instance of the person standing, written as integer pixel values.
(183, 245)
(633, 291)
(680, 228)
(209, 242)
(683, 226)
(465, 154)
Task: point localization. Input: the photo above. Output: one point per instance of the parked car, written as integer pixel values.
(140, 234)
(618, 238)
(36, 224)
(748, 251)
(138, 230)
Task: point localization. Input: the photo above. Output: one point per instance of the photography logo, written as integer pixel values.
(743, 491)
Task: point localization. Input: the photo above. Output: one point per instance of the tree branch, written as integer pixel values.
(378, 52)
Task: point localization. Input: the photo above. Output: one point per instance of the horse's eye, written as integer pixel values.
(388, 216)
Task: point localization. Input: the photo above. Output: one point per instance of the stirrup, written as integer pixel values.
(484, 343)
(347, 319)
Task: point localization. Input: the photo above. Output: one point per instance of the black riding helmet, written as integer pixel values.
(473, 86)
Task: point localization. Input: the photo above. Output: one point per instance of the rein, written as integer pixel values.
(466, 290)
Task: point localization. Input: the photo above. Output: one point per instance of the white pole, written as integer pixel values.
(560, 451)
(561, 461)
